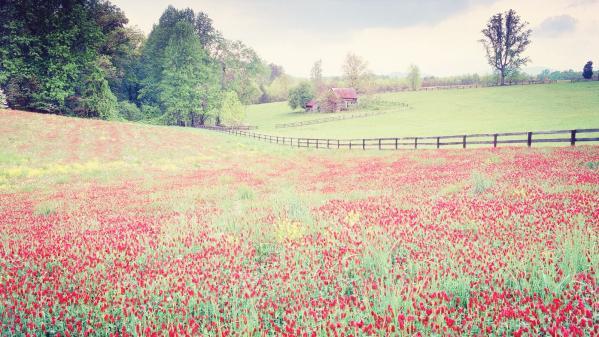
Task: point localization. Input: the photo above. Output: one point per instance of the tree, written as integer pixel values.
(354, 70)
(544, 75)
(96, 98)
(328, 101)
(3, 103)
(300, 95)
(506, 38)
(276, 71)
(278, 90)
(316, 76)
(188, 90)
(414, 79)
(55, 56)
(231, 111)
(587, 71)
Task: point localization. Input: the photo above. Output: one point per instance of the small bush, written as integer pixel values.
(130, 111)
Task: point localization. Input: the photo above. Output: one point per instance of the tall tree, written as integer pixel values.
(506, 37)
(414, 79)
(241, 68)
(587, 71)
(47, 49)
(354, 70)
(188, 91)
(316, 76)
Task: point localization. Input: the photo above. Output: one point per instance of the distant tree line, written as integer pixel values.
(79, 58)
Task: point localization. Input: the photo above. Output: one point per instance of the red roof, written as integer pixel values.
(345, 93)
(311, 103)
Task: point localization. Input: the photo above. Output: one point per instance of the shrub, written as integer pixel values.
(130, 111)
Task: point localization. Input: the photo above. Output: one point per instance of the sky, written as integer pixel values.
(439, 36)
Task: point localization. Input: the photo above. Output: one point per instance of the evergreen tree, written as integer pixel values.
(587, 71)
(97, 99)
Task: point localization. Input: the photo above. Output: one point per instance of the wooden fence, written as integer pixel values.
(495, 139)
(480, 85)
(336, 118)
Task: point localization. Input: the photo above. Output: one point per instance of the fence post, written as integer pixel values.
(438, 143)
(495, 140)
(379, 143)
(415, 142)
(337, 143)
(529, 140)
(350, 144)
(464, 142)
(396, 143)
(363, 144)
(572, 137)
(328, 142)
(317, 142)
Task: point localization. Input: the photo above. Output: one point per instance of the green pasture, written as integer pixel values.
(448, 112)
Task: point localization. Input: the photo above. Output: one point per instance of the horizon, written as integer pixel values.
(391, 36)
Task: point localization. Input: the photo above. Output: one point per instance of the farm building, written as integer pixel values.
(346, 97)
(312, 105)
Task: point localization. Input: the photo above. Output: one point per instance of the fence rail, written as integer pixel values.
(336, 118)
(480, 85)
(397, 143)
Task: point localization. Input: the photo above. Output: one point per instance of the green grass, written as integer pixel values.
(447, 112)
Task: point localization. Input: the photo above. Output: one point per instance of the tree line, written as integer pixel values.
(79, 57)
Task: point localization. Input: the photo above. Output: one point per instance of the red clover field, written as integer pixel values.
(123, 229)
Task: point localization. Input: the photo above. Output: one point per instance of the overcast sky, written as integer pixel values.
(440, 36)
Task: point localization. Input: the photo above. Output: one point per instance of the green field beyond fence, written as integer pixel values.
(561, 106)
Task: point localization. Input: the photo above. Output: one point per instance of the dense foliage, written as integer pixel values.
(300, 95)
(55, 55)
(79, 58)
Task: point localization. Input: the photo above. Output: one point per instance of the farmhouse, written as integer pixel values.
(346, 97)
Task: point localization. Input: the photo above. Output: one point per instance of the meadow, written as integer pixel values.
(121, 229)
(448, 112)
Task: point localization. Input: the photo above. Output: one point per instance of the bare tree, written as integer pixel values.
(505, 39)
(354, 70)
(316, 76)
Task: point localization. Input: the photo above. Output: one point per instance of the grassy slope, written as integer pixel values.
(518, 108)
(126, 213)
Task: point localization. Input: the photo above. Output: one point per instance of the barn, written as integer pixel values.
(312, 105)
(346, 97)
